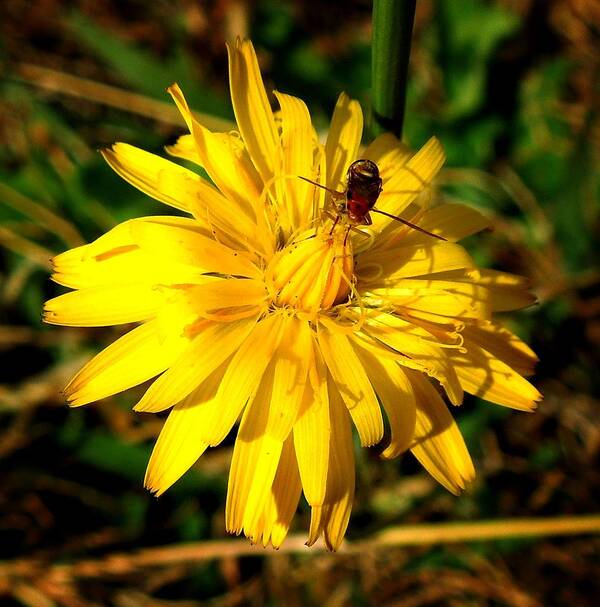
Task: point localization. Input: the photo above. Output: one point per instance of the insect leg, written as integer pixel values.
(347, 232)
(335, 222)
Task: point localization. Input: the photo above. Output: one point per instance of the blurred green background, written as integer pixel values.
(511, 87)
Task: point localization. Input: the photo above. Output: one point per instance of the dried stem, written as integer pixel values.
(67, 84)
(409, 535)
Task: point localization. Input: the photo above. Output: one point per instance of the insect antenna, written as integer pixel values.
(414, 226)
(333, 192)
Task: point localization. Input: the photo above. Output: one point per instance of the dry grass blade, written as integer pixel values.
(525, 199)
(119, 564)
(31, 596)
(487, 530)
(446, 586)
(67, 84)
(39, 389)
(32, 251)
(41, 215)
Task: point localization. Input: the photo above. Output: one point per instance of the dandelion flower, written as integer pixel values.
(261, 306)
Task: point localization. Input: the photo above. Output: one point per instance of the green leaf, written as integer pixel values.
(110, 453)
(470, 32)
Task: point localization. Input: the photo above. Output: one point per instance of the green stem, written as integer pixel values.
(392, 32)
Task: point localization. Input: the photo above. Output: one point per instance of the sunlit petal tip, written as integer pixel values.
(536, 402)
(142, 406)
(174, 89)
(434, 151)
(334, 541)
(343, 139)
(47, 314)
(156, 487)
(150, 486)
(73, 385)
(177, 95)
(316, 525)
(73, 401)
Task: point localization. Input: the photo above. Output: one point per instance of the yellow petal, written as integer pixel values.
(451, 221)
(505, 300)
(226, 299)
(118, 268)
(297, 146)
(205, 417)
(353, 384)
(289, 372)
(183, 244)
(418, 350)
(181, 441)
(387, 267)
(183, 189)
(147, 172)
(251, 107)
(246, 455)
(116, 256)
(388, 153)
(264, 466)
(484, 375)
(438, 443)
(504, 280)
(207, 350)
(316, 524)
(184, 147)
(397, 397)
(283, 499)
(343, 140)
(134, 358)
(245, 372)
(104, 306)
(441, 297)
(224, 158)
(407, 183)
(312, 433)
(228, 164)
(503, 344)
(508, 291)
(335, 512)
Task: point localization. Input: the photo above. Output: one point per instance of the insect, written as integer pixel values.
(363, 187)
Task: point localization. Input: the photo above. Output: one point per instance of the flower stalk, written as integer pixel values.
(392, 32)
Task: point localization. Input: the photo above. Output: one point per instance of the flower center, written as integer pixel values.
(313, 273)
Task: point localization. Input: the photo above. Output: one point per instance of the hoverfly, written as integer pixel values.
(363, 187)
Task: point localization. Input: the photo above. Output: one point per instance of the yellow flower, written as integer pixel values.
(261, 306)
